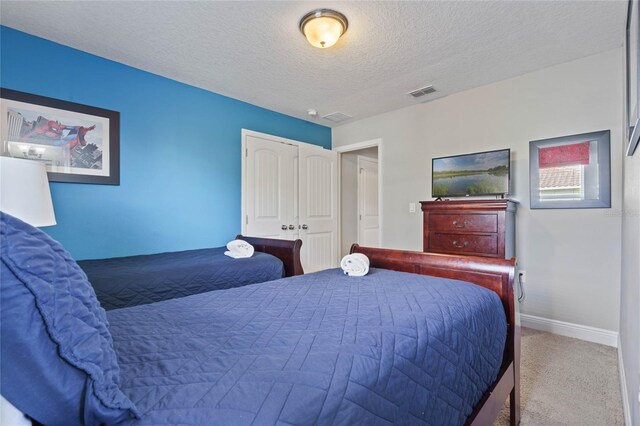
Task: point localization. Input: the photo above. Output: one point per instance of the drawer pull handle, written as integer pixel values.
(458, 245)
(460, 225)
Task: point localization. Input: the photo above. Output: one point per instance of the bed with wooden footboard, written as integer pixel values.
(421, 339)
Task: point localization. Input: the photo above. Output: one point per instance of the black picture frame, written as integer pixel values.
(633, 76)
(598, 179)
(106, 128)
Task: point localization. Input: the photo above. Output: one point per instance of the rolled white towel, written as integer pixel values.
(355, 265)
(239, 249)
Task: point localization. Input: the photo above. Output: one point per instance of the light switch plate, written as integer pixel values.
(412, 207)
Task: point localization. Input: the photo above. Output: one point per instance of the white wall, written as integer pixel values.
(630, 288)
(572, 257)
(349, 196)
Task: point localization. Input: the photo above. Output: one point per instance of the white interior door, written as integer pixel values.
(318, 207)
(368, 216)
(270, 185)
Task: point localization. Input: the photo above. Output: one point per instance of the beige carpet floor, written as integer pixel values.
(567, 381)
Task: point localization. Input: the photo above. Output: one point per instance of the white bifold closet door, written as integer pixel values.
(291, 191)
(270, 179)
(318, 204)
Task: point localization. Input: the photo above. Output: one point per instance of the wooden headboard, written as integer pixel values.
(496, 275)
(286, 250)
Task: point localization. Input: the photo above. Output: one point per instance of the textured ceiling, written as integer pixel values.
(253, 51)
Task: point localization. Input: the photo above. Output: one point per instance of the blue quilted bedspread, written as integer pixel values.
(136, 280)
(321, 348)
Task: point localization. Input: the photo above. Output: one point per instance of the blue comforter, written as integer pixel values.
(321, 348)
(129, 281)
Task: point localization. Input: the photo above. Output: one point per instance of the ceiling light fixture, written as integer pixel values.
(323, 27)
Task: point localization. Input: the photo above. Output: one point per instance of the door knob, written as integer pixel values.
(291, 227)
(284, 227)
(305, 227)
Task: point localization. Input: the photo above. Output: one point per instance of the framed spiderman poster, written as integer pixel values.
(78, 143)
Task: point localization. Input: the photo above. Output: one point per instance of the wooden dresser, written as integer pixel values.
(472, 227)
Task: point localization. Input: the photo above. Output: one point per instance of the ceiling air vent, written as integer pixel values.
(421, 92)
(336, 117)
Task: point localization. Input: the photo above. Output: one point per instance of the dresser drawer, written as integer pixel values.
(486, 245)
(463, 222)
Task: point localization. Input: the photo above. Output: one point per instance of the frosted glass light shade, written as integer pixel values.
(24, 191)
(323, 27)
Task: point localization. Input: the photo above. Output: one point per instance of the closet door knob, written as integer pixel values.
(291, 227)
(305, 227)
(284, 227)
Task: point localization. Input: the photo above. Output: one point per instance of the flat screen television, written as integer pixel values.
(471, 175)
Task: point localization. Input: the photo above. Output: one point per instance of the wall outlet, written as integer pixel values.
(522, 275)
(412, 207)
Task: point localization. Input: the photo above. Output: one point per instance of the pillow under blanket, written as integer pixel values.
(57, 359)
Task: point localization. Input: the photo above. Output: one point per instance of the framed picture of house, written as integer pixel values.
(571, 172)
(632, 44)
(78, 143)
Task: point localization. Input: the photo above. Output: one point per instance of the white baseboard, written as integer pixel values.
(582, 332)
(623, 387)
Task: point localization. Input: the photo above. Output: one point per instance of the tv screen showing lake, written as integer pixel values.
(474, 174)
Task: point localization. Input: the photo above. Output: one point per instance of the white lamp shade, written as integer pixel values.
(24, 191)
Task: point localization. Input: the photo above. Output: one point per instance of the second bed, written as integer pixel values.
(137, 280)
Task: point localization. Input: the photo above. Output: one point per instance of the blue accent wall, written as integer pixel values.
(179, 152)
